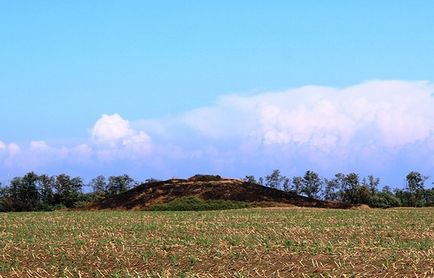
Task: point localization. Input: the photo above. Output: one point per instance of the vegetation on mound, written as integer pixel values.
(193, 203)
(33, 192)
(205, 178)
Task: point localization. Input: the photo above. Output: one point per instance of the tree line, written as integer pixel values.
(352, 189)
(33, 192)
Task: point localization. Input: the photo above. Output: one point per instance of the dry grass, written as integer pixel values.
(237, 243)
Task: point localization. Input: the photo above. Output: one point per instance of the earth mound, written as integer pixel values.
(206, 187)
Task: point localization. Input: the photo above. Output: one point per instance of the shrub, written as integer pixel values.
(384, 200)
(205, 178)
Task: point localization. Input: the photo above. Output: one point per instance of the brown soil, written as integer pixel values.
(160, 192)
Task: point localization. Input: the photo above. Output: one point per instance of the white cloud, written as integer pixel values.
(378, 123)
(8, 153)
(13, 149)
(113, 137)
(82, 150)
(10, 149)
(111, 129)
(39, 146)
(387, 113)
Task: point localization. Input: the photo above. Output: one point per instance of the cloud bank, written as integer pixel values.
(390, 114)
(384, 127)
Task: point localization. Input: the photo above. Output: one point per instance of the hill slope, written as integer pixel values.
(161, 192)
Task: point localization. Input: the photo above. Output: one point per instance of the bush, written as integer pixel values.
(6, 204)
(205, 178)
(384, 200)
(193, 203)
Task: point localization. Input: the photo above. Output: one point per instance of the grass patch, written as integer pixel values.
(193, 203)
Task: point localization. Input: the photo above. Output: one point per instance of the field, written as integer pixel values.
(276, 242)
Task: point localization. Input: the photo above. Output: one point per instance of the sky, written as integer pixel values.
(173, 88)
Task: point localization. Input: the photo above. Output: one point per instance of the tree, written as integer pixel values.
(119, 184)
(429, 197)
(99, 186)
(23, 192)
(29, 195)
(372, 183)
(46, 190)
(68, 190)
(6, 203)
(415, 186)
(386, 189)
(250, 179)
(311, 184)
(286, 184)
(350, 187)
(384, 200)
(415, 181)
(274, 180)
(297, 184)
(331, 189)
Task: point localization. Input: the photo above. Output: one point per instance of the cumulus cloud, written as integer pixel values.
(390, 114)
(8, 153)
(113, 137)
(11, 149)
(376, 124)
(111, 129)
(371, 126)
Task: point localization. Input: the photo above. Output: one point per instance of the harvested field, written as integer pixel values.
(292, 242)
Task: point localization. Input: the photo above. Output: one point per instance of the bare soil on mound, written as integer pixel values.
(149, 194)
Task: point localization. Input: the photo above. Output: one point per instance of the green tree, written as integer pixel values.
(286, 184)
(6, 203)
(386, 189)
(46, 190)
(250, 179)
(99, 186)
(415, 186)
(68, 190)
(297, 184)
(415, 181)
(384, 200)
(119, 184)
(350, 188)
(372, 183)
(23, 192)
(429, 197)
(311, 184)
(331, 189)
(274, 180)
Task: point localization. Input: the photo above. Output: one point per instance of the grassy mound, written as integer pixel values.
(211, 193)
(193, 203)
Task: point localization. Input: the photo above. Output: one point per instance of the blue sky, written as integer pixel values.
(179, 81)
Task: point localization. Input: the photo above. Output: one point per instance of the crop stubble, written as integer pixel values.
(236, 243)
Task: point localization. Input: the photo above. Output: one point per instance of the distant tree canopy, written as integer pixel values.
(38, 192)
(275, 179)
(42, 192)
(351, 189)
